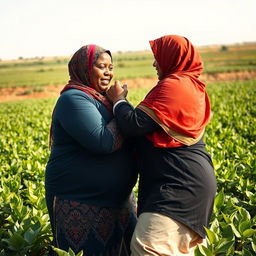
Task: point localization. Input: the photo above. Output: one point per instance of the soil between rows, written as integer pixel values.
(21, 93)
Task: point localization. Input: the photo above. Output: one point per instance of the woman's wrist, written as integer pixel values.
(118, 99)
(118, 102)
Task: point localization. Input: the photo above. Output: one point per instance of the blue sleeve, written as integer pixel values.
(80, 118)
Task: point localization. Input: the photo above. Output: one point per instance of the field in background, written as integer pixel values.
(230, 138)
(40, 72)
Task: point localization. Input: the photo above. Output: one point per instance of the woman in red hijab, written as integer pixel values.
(177, 182)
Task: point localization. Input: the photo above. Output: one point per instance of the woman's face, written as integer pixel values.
(158, 70)
(102, 73)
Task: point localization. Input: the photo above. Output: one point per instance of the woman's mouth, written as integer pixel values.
(105, 81)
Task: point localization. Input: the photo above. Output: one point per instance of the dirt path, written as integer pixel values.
(20, 93)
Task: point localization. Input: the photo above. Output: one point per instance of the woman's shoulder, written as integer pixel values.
(74, 92)
(73, 99)
(74, 95)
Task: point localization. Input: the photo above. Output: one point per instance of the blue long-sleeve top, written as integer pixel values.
(86, 161)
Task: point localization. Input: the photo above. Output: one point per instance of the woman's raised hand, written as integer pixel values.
(117, 92)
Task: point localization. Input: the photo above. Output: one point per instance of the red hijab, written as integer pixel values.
(179, 100)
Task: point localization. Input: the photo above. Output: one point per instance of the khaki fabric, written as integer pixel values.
(156, 234)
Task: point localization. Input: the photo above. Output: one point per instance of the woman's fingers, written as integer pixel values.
(117, 92)
(125, 87)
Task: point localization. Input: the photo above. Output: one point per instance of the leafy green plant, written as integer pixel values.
(230, 138)
(69, 253)
(232, 232)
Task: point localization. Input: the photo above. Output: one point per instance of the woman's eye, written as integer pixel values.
(102, 66)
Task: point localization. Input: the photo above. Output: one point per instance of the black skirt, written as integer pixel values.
(177, 182)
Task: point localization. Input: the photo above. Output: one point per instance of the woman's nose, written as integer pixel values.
(107, 71)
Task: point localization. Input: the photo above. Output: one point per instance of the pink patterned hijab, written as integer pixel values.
(80, 68)
(80, 65)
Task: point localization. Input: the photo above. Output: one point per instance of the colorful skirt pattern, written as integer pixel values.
(98, 231)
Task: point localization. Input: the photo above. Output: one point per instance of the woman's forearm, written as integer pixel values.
(133, 122)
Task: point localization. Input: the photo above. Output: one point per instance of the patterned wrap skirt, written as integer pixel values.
(95, 230)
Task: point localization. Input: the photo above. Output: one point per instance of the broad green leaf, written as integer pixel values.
(249, 232)
(10, 219)
(197, 252)
(226, 218)
(205, 251)
(16, 242)
(225, 247)
(29, 236)
(219, 200)
(215, 225)
(213, 238)
(70, 252)
(244, 225)
(236, 232)
(245, 214)
(227, 232)
(60, 252)
(64, 253)
(253, 246)
(254, 243)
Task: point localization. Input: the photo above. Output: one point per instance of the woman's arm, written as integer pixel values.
(130, 121)
(81, 119)
(133, 122)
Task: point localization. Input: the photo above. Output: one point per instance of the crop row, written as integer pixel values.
(230, 138)
(45, 71)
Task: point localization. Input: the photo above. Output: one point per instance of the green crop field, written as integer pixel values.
(44, 71)
(230, 138)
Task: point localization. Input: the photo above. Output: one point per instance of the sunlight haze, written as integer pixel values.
(58, 28)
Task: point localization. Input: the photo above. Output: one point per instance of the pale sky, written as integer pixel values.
(31, 28)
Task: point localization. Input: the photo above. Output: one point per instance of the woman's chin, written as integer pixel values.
(103, 89)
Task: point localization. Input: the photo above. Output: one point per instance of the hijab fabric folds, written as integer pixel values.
(80, 69)
(179, 102)
(81, 63)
